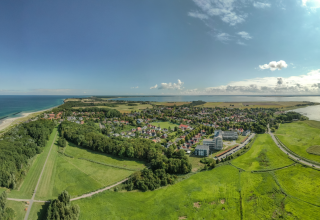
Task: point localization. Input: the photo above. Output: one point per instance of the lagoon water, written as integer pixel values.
(11, 104)
(221, 98)
(312, 112)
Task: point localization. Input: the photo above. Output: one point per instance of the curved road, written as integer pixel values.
(288, 153)
(237, 148)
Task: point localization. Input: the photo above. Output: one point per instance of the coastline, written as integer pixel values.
(5, 123)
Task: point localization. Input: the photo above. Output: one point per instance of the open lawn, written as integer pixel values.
(29, 184)
(264, 154)
(38, 211)
(206, 195)
(299, 136)
(125, 108)
(18, 208)
(196, 164)
(79, 152)
(76, 176)
(171, 103)
(240, 139)
(164, 125)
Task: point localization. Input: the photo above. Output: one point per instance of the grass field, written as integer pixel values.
(18, 208)
(261, 196)
(196, 164)
(79, 152)
(76, 176)
(29, 184)
(171, 103)
(299, 136)
(38, 211)
(264, 154)
(125, 108)
(301, 182)
(314, 150)
(206, 195)
(165, 125)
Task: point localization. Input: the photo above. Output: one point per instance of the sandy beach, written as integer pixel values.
(10, 121)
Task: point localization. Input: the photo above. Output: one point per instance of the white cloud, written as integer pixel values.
(137, 87)
(176, 86)
(303, 84)
(273, 65)
(261, 5)
(244, 35)
(312, 4)
(223, 36)
(154, 87)
(241, 43)
(198, 15)
(225, 9)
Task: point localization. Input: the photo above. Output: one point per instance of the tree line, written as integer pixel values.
(17, 146)
(164, 163)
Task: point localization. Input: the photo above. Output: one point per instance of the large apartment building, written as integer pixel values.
(217, 142)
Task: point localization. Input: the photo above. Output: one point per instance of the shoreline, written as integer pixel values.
(5, 123)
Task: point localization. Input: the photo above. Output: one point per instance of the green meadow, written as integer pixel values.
(79, 152)
(76, 176)
(165, 125)
(263, 155)
(18, 208)
(299, 136)
(38, 211)
(29, 184)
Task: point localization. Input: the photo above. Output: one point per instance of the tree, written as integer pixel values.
(170, 151)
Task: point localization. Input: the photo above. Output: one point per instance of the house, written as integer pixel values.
(184, 127)
(82, 122)
(165, 130)
(164, 136)
(139, 121)
(202, 150)
(78, 122)
(245, 133)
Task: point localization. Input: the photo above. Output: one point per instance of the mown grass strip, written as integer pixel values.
(106, 164)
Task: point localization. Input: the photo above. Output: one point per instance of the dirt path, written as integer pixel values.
(98, 191)
(35, 190)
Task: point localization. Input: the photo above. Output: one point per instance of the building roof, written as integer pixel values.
(207, 140)
(202, 147)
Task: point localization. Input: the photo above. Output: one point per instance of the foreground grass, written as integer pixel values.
(301, 182)
(38, 211)
(299, 136)
(79, 152)
(18, 208)
(31, 179)
(76, 176)
(207, 195)
(264, 154)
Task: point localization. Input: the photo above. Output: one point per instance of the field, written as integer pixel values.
(164, 125)
(314, 150)
(18, 208)
(124, 108)
(38, 211)
(171, 103)
(196, 164)
(264, 154)
(76, 176)
(79, 152)
(28, 185)
(299, 136)
(206, 195)
(301, 182)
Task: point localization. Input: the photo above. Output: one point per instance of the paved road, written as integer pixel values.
(237, 148)
(35, 190)
(288, 153)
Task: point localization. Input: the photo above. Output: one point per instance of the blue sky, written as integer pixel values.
(154, 47)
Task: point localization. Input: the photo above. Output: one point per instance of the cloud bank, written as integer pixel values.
(299, 85)
(176, 86)
(273, 65)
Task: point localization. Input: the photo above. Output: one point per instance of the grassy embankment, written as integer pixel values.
(299, 136)
(29, 184)
(79, 176)
(263, 155)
